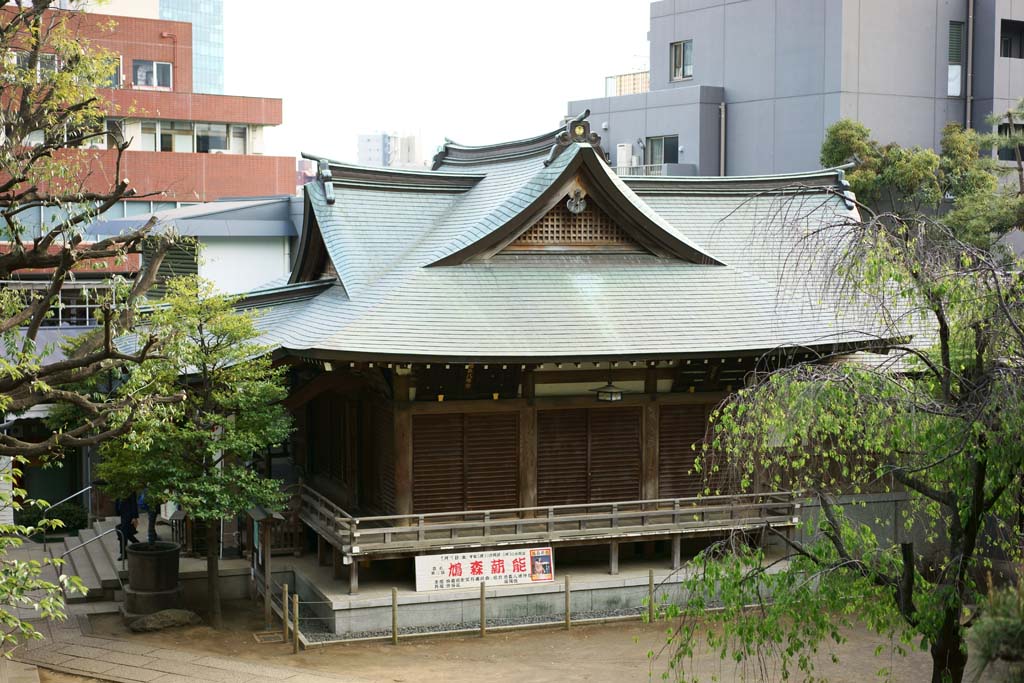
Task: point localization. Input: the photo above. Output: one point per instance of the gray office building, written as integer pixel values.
(207, 19)
(744, 87)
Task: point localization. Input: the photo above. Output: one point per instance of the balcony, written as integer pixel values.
(655, 170)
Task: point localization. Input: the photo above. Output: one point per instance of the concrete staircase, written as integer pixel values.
(95, 563)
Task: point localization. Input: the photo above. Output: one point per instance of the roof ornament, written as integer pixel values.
(576, 203)
(576, 130)
(323, 174)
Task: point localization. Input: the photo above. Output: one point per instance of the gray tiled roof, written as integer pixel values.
(391, 304)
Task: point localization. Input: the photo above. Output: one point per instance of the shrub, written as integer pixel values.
(72, 514)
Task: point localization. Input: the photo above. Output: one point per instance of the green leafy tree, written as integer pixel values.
(937, 418)
(197, 452)
(51, 105)
(962, 181)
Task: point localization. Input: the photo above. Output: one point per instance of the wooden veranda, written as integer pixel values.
(350, 538)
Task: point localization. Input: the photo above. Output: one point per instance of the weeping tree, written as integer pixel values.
(51, 107)
(934, 413)
(198, 452)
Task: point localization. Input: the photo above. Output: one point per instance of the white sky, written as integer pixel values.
(476, 71)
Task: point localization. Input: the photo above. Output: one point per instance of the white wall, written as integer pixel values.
(239, 264)
(6, 511)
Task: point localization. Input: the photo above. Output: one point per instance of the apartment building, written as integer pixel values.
(740, 87)
(390, 150)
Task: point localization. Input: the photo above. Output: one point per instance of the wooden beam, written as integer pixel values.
(649, 464)
(651, 380)
(544, 402)
(527, 456)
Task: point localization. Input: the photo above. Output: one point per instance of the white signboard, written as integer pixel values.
(498, 567)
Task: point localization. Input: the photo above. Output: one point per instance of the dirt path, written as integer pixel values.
(600, 653)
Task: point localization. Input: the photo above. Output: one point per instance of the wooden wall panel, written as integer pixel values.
(437, 463)
(561, 457)
(681, 427)
(492, 461)
(615, 454)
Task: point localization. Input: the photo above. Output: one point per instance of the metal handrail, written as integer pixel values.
(61, 502)
(97, 537)
(82, 545)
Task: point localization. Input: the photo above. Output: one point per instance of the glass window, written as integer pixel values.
(182, 135)
(115, 78)
(956, 55)
(211, 137)
(46, 65)
(147, 142)
(238, 135)
(1011, 43)
(663, 149)
(150, 74)
(115, 132)
(681, 58)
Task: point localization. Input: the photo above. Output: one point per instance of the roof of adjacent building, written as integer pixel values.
(255, 217)
(416, 265)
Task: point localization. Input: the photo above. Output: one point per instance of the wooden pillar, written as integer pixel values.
(676, 543)
(613, 558)
(338, 563)
(353, 577)
(403, 446)
(267, 577)
(649, 465)
(527, 456)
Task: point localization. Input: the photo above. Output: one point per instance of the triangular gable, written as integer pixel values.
(579, 174)
(575, 226)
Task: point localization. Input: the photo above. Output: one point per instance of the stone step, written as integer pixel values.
(77, 563)
(110, 542)
(100, 560)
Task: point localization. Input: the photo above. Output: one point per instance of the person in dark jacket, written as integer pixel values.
(128, 509)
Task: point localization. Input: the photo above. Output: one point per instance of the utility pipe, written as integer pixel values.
(721, 138)
(969, 99)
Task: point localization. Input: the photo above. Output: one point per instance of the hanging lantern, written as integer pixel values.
(609, 392)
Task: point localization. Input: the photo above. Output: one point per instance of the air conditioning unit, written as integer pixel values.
(623, 154)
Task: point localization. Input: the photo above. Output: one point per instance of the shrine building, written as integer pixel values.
(520, 348)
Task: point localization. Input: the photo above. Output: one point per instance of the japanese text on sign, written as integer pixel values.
(497, 567)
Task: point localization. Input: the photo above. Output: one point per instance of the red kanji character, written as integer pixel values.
(497, 566)
(519, 565)
(455, 569)
(476, 568)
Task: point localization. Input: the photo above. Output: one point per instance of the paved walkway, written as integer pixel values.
(67, 649)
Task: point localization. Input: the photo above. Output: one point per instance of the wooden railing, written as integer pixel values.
(326, 518)
(380, 535)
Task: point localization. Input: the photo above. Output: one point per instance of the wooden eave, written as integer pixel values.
(313, 254)
(590, 172)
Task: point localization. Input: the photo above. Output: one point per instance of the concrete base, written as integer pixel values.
(139, 603)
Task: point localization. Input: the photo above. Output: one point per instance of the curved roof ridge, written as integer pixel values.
(457, 154)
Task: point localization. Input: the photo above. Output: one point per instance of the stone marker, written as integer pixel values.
(167, 618)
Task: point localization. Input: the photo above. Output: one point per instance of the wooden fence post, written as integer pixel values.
(284, 611)
(650, 596)
(295, 623)
(394, 616)
(483, 609)
(568, 603)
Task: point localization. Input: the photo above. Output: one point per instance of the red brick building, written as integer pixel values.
(186, 147)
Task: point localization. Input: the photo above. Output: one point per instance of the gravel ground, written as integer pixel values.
(316, 630)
